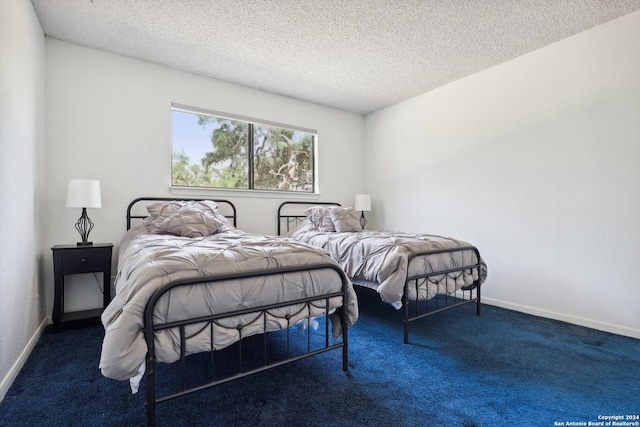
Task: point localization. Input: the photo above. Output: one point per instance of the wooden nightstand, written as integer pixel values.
(73, 259)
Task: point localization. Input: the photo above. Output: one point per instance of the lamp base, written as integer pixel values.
(363, 220)
(84, 227)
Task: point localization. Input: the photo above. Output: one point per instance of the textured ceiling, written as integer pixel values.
(355, 55)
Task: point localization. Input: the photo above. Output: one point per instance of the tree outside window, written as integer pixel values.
(218, 152)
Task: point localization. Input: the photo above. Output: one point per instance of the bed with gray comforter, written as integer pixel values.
(175, 243)
(402, 267)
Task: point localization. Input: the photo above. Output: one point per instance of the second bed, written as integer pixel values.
(420, 273)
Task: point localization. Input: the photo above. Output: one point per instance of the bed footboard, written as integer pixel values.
(445, 299)
(285, 352)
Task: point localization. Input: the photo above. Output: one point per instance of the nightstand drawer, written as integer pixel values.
(86, 261)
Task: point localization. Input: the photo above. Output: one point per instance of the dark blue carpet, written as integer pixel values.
(500, 369)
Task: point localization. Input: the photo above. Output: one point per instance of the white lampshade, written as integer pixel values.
(363, 202)
(83, 193)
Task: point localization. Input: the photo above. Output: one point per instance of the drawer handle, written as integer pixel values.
(83, 260)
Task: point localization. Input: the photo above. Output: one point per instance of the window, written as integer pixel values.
(218, 150)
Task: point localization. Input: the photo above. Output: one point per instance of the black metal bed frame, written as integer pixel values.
(413, 310)
(263, 313)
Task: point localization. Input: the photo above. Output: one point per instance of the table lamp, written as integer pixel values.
(363, 203)
(84, 193)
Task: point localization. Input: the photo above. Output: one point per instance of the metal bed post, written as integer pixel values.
(478, 286)
(405, 319)
(343, 321)
(150, 402)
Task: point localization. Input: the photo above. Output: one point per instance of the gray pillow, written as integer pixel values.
(187, 218)
(345, 220)
(320, 217)
(188, 221)
(169, 208)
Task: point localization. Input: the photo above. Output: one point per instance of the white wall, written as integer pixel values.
(21, 185)
(109, 118)
(536, 162)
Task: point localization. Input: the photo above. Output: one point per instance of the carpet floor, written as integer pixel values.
(498, 369)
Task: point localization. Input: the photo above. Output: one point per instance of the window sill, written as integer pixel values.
(223, 192)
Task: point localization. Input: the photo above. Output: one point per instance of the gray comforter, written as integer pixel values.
(149, 261)
(379, 259)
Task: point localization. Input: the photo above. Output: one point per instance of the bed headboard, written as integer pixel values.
(290, 214)
(137, 209)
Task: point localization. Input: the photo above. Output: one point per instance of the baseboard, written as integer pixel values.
(7, 381)
(588, 323)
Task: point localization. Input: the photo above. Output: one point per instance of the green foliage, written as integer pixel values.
(282, 158)
(183, 173)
